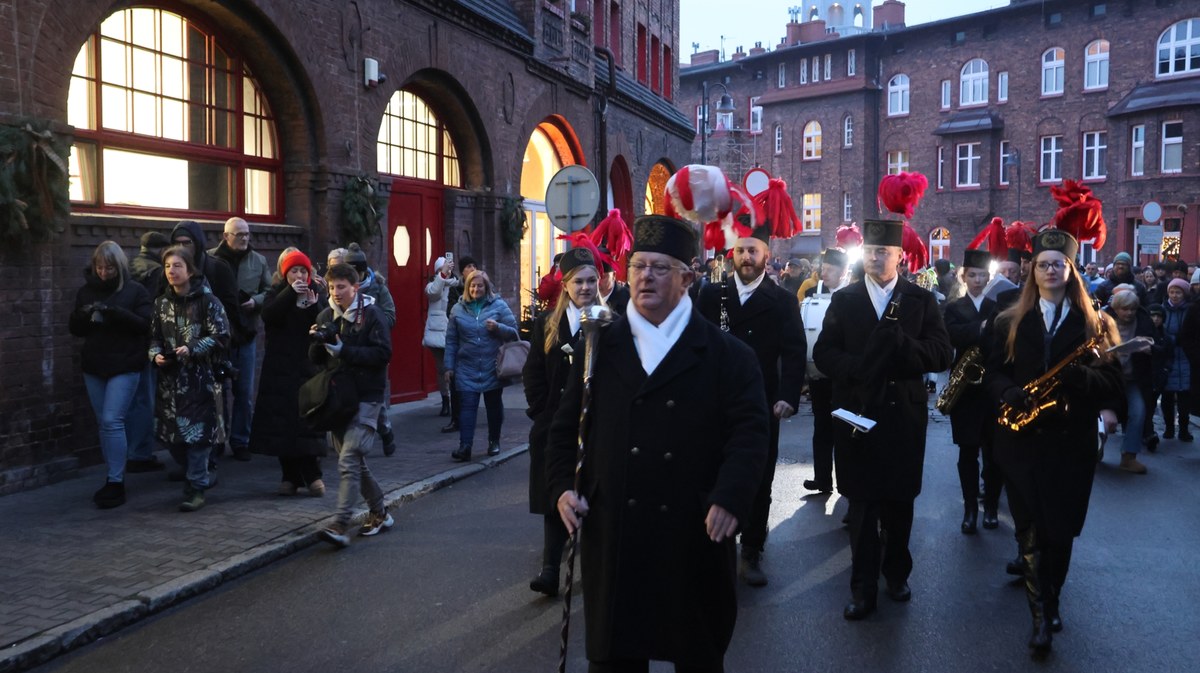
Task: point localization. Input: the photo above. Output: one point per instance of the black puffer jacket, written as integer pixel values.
(115, 325)
(366, 346)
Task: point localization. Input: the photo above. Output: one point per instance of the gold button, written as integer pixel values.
(635, 450)
(670, 404)
(662, 508)
(632, 502)
(667, 456)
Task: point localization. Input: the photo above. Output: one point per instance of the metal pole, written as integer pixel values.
(704, 123)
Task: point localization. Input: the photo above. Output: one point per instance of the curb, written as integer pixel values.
(42, 647)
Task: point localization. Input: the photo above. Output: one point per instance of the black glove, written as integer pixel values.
(1015, 397)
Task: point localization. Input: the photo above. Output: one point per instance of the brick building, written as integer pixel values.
(273, 110)
(993, 107)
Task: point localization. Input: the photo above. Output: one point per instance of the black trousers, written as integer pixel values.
(300, 470)
(1055, 555)
(754, 530)
(1171, 400)
(643, 666)
(554, 539)
(968, 474)
(821, 392)
(879, 533)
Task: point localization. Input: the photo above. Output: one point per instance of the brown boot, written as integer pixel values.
(1129, 463)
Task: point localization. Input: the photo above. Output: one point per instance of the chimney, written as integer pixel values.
(739, 54)
(758, 49)
(706, 57)
(889, 15)
(812, 31)
(793, 33)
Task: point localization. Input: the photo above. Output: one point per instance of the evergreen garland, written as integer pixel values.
(34, 196)
(363, 207)
(512, 222)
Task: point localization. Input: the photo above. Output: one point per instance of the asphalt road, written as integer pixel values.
(446, 589)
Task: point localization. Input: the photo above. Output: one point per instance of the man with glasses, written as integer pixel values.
(253, 280)
(676, 443)
(879, 339)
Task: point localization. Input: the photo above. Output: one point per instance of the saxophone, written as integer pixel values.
(968, 372)
(1043, 392)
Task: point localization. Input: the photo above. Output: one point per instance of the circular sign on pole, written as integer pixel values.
(1151, 212)
(571, 198)
(756, 181)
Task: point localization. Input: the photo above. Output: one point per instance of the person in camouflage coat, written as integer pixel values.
(189, 332)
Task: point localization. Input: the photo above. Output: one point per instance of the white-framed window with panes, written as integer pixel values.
(847, 208)
(1002, 86)
(1051, 164)
(816, 69)
(756, 113)
(848, 131)
(1003, 168)
(898, 95)
(1172, 147)
(1095, 155)
(810, 217)
(968, 158)
(782, 75)
(941, 166)
(778, 139)
(1053, 70)
(804, 71)
(1179, 49)
(1095, 66)
(1137, 150)
(946, 88)
(828, 67)
(851, 63)
(812, 140)
(897, 161)
(973, 83)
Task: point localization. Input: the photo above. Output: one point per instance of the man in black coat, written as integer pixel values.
(676, 442)
(613, 293)
(974, 416)
(880, 337)
(765, 317)
(820, 388)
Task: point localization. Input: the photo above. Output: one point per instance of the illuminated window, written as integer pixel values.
(812, 140)
(168, 119)
(1179, 48)
(811, 219)
(413, 143)
(939, 244)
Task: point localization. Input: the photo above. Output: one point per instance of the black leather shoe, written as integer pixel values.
(899, 592)
(857, 610)
(814, 485)
(1169, 433)
(546, 582)
(493, 448)
(749, 569)
(240, 452)
(991, 519)
(1185, 436)
(970, 515)
(452, 426)
(462, 454)
(388, 438)
(1015, 567)
(1053, 620)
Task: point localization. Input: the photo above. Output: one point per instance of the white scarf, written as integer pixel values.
(745, 290)
(653, 343)
(880, 294)
(572, 318)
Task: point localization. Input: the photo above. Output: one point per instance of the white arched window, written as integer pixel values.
(1053, 65)
(812, 140)
(1179, 48)
(1095, 65)
(898, 95)
(414, 143)
(848, 131)
(778, 139)
(973, 83)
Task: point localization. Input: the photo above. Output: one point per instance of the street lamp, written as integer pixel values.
(724, 106)
(1014, 161)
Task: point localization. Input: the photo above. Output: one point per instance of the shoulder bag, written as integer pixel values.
(329, 400)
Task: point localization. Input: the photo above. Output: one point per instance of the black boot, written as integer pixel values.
(493, 447)
(1040, 638)
(970, 515)
(546, 582)
(452, 426)
(991, 515)
(1185, 429)
(462, 454)
(1053, 619)
(445, 407)
(749, 569)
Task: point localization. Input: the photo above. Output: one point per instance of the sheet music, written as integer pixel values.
(860, 423)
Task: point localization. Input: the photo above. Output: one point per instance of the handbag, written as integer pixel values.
(510, 361)
(329, 400)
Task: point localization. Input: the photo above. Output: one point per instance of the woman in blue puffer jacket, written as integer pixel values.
(477, 326)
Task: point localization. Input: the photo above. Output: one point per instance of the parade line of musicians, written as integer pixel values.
(681, 431)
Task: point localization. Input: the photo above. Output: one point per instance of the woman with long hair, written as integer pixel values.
(1049, 463)
(554, 340)
(112, 314)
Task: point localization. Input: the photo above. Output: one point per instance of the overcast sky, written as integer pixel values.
(744, 22)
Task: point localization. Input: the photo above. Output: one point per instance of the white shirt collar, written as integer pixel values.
(653, 343)
(978, 301)
(1048, 313)
(880, 294)
(573, 317)
(744, 290)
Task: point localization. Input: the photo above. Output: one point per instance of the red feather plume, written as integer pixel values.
(778, 209)
(581, 240)
(915, 251)
(848, 235)
(993, 236)
(900, 193)
(612, 233)
(1079, 213)
(1019, 236)
(714, 236)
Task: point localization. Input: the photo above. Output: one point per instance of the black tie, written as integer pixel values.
(1050, 332)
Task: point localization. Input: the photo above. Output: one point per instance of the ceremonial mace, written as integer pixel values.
(591, 320)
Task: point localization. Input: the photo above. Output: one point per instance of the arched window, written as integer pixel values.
(778, 139)
(898, 95)
(939, 244)
(1179, 48)
(813, 14)
(1095, 65)
(858, 16)
(413, 142)
(973, 83)
(656, 189)
(812, 140)
(169, 121)
(848, 131)
(836, 15)
(1052, 71)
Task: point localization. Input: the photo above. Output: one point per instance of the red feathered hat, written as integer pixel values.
(915, 252)
(994, 236)
(1019, 237)
(902, 192)
(848, 235)
(613, 234)
(1079, 213)
(581, 240)
(778, 209)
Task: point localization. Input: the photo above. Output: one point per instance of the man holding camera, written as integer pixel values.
(353, 333)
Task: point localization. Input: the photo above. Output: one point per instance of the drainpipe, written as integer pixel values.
(602, 126)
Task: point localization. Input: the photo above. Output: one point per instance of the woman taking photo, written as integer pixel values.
(289, 309)
(1049, 463)
(554, 340)
(478, 325)
(188, 332)
(112, 314)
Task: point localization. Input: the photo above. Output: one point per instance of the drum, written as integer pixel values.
(812, 313)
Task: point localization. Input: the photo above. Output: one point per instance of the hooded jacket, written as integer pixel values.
(252, 276)
(217, 275)
(366, 345)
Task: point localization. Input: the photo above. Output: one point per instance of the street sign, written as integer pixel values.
(571, 198)
(756, 181)
(1149, 249)
(1150, 235)
(1151, 212)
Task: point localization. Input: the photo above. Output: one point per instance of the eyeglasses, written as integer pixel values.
(656, 270)
(241, 236)
(1046, 266)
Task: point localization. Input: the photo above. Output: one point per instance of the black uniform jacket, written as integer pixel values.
(660, 450)
(769, 322)
(618, 299)
(1050, 463)
(545, 378)
(975, 411)
(877, 367)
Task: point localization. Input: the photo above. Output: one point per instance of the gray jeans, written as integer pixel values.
(352, 445)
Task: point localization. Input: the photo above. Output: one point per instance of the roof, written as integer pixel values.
(1158, 95)
(972, 121)
(499, 12)
(628, 88)
(802, 92)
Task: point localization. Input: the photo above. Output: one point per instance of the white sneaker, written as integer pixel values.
(376, 524)
(336, 537)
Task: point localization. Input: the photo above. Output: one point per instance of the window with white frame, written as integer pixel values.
(782, 75)
(1095, 65)
(1052, 151)
(1172, 147)
(939, 244)
(973, 83)
(847, 209)
(1137, 150)
(816, 70)
(1053, 67)
(1179, 48)
(945, 94)
(756, 112)
(967, 174)
(828, 66)
(811, 216)
(848, 131)
(898, 95)
(804, 71)
(941, 166)
(812, 140)
(1005, 153)
(897, 161)
(1002, 86)
(778, 139)
(1095, 155)
(851, 63)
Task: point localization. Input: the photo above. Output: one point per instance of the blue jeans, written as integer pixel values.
(139, 424)
(243, 357)
(1135, 419)
(111, 399)
(195, 459)
(494, 401)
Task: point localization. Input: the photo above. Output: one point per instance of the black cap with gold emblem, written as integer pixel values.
(1055, 239)
(664, 235)
(883, 232)
(977, 259)
(576, 257)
